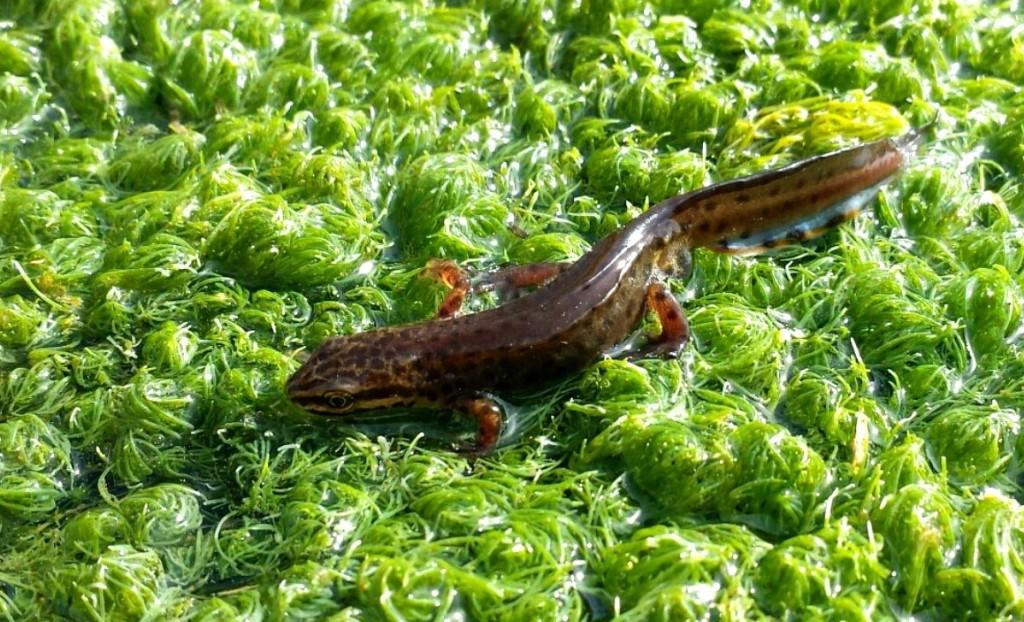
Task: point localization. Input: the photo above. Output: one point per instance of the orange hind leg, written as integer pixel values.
(675, 330)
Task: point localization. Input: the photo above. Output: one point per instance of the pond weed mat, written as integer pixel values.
(194, 193)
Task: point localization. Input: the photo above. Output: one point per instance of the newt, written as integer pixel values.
(580, 310)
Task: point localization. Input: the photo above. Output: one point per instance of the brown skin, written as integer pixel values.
(588, 307)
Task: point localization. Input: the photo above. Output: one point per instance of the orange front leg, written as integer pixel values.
(510, 280)
(489, 417)
(675, 331)
(448, 272)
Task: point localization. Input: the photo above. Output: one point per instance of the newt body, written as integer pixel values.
(586, 308)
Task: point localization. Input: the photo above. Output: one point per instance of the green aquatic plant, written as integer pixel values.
(671, 573)
(195, 194)
(832, 573)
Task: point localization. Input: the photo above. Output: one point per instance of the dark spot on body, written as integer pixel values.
(800, 183)
(796, 235)
(774, 191)
(836, 220)
(709, 206)
(660, 295)
(671, 316)
(742, 198)
(745, 235)
(705, 227)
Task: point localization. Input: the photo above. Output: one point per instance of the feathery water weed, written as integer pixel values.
(195, 193)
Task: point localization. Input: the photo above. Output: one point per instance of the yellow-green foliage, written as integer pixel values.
(194, 193)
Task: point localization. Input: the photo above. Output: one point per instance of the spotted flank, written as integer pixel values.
(815, 224)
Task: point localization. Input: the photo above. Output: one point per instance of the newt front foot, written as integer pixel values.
(489, 417)
(448, 272)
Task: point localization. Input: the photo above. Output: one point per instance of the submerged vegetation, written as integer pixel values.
(194, 193)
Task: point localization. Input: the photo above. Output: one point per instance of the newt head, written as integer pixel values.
(321, 387)
(355, 373)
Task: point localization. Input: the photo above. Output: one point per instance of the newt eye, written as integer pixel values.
(339, 400)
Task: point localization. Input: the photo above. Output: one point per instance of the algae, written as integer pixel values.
(193, 193)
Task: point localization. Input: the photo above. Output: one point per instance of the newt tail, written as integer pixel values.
(794, 203)
(579, 311)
